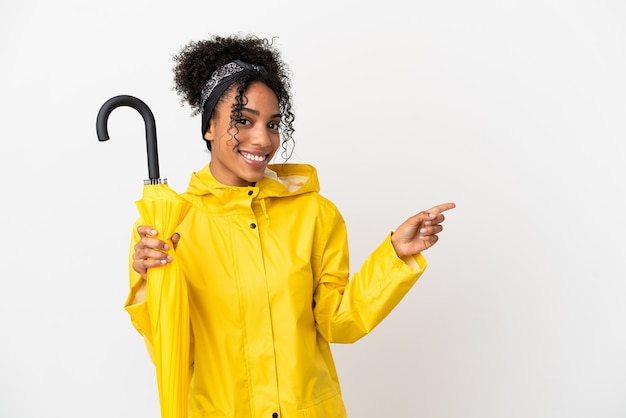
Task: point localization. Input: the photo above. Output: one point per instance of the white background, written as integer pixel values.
(515, 110)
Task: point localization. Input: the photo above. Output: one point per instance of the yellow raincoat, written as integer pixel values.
(267, 271)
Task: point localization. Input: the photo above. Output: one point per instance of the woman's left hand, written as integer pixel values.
(419, 232)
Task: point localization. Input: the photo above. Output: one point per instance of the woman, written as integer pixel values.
(274, 291)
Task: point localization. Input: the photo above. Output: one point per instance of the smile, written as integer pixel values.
(253, 157)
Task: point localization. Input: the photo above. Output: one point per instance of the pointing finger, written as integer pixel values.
(435, 210)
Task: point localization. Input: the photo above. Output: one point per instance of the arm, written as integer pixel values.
(347, 310)
(146, 252)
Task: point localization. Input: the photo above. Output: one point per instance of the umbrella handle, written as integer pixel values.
(148, 118)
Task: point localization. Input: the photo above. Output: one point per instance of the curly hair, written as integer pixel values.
(196, 61)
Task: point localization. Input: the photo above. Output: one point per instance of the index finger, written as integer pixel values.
(144, 230)
(435, 210)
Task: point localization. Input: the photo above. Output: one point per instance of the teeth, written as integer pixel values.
(253, 157)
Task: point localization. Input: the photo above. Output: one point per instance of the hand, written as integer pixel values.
(419, 232)
(151, 252)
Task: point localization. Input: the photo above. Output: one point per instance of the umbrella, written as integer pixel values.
(166, 289)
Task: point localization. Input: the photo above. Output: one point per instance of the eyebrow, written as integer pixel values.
(257, 113)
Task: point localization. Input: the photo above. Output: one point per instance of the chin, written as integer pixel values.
(253, 178)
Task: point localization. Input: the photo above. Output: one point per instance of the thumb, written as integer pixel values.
(175, 239)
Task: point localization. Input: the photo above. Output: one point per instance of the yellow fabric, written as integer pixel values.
(167, 304)
(267, 271)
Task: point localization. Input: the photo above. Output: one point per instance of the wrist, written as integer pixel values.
(399, 253)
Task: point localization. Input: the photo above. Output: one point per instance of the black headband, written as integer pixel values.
(221, 79)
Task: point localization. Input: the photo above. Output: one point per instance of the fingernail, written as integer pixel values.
(169, 258)
(163, 261)
(427, 223)
(423, 231)
(166, 247)
(153, 232)
(432, 215)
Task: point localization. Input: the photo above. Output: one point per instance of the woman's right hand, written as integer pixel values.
(150, 251)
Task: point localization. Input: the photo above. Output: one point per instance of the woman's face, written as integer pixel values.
(242, 161)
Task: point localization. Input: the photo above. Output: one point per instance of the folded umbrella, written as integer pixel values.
(166, 288)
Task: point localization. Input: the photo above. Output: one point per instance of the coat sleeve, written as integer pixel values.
(346, 310)
(138, 311)
(139, 316)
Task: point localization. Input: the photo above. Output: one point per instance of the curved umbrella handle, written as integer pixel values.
(148, 118)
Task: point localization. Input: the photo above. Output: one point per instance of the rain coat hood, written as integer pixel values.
(267, 270)
(280, 180)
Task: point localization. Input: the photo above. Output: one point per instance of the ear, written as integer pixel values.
(209, 135)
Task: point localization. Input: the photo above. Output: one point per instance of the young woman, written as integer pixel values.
(274, 289)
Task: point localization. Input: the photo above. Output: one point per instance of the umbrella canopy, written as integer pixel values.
(168, 306)
(166, 289)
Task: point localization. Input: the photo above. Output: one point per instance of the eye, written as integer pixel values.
(241, 121)
(274, 126)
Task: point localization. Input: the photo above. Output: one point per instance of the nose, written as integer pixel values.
(261, 136)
